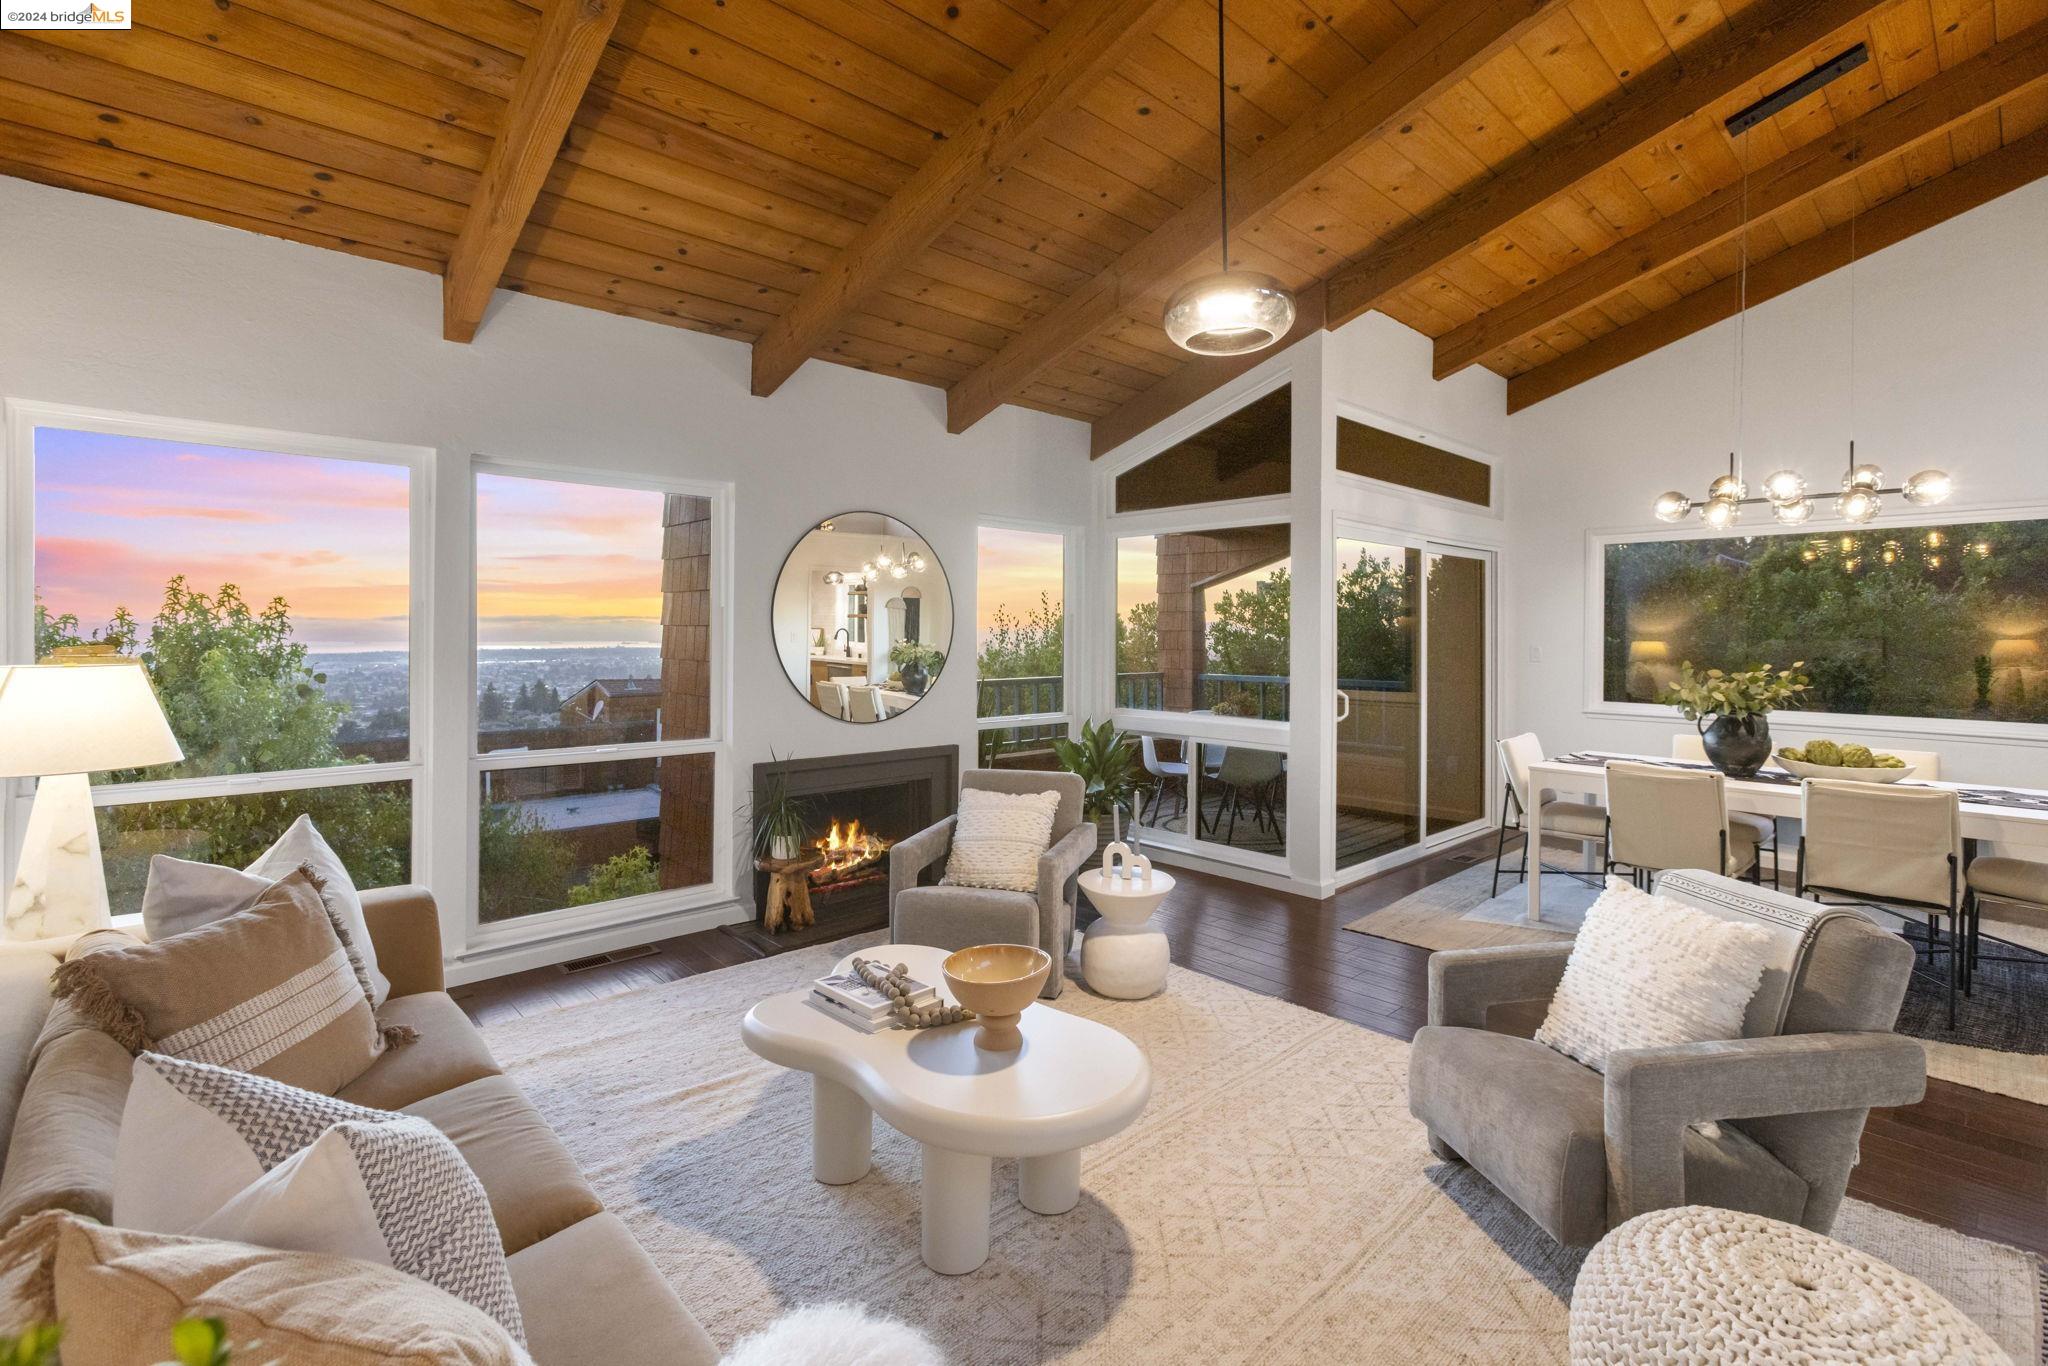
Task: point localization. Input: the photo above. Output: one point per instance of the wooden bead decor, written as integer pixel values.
(894, 983)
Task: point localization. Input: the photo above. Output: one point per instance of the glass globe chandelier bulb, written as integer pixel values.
(1229, 314)
(867, 568)
(835, 576)
(1785, 486)
(1792, 513)
(1858, 505)
(917, 564)
(1728, 486)
(1866, 477)
(1928, 487)
(1672, 506)
(1720, 512)
(897, 571)
(882, 559)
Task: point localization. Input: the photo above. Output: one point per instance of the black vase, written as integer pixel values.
(915, 678)
(1737, 745)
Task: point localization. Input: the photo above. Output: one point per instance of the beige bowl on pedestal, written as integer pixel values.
(997, 982)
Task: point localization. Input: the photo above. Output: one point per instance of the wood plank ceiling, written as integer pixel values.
(995, 196)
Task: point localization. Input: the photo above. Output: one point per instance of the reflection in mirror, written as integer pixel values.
(863, 617)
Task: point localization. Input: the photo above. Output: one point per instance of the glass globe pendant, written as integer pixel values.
(1928, 487)
(1794, 513)
(1672, 506)
(1785, 486)
(1233, 311)
(1858, 504)
(1720, 512)
(1728, 486)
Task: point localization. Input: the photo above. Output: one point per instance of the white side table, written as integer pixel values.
(1124, 955)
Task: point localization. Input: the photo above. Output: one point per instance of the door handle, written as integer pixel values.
(1343, 705)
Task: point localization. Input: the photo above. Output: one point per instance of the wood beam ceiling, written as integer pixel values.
(552, 79)
(1447, 47)
(1764, 38)
(1926, 111)
(1940, 199)
(1058, 70)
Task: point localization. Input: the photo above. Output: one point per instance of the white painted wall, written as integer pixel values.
(1952, 371)
(113, 306)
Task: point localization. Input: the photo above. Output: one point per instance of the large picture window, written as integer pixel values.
(1202, 622)
(1929, 621)
(268, 594)
(1020, 645)
(595, 767)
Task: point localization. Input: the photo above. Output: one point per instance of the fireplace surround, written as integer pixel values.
(892, 794)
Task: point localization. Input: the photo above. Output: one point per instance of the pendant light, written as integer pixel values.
(1233, 311)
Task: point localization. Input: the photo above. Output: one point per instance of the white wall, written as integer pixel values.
(1951, 371)
(113, 306)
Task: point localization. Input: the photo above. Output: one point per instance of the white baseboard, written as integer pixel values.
(483, 964)
(1257, 877)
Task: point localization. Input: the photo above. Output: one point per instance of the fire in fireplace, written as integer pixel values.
(851, 856)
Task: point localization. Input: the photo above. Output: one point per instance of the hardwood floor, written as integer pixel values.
(1966, 1159)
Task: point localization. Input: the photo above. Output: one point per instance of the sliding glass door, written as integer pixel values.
(1414, 694)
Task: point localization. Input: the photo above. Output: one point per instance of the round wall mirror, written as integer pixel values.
(863, 617)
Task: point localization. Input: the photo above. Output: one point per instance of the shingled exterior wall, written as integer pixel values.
(1188, 562)
(686, 780)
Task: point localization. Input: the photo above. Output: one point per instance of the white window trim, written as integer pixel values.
(1071, 579)
(485, 939)
(19, 419)
(1592, 653)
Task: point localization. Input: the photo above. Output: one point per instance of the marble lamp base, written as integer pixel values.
(60, 887)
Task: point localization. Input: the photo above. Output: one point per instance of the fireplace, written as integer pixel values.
(859, 805)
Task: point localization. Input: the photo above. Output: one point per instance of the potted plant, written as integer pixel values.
(780, 821)
(1105, 759)
(1738, 736)
(918, 663)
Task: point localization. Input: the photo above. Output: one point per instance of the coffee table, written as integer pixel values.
(1075, 1082)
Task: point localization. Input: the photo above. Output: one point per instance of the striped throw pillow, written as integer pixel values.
(272, 989)
(998, 838)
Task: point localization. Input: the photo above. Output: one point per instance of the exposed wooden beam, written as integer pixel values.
(1761, 39)
(1201, 375)
(1455, 40)
(1969, 185)
(557, 69)
(1926, 111)
(1056, 72)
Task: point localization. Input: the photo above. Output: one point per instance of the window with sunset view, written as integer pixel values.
(1020, 645)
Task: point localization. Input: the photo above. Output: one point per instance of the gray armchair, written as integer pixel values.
(1581, 1153)
(960, 917)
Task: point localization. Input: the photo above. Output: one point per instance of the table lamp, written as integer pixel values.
(83, 711)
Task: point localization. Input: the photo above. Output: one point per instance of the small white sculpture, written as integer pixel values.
(1119, 861)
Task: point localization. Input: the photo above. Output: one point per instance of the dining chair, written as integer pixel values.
(1688, 747)
(1665, 818)
(830, 698)
(1248, 776)
(865, 704)
(2019, 887)
(1583, 822)
(1165, 773)
(1888, 848)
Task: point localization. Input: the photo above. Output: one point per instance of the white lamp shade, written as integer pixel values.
(84, 716)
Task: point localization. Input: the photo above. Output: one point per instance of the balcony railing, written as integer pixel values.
(1045, 694)
(1032, 695)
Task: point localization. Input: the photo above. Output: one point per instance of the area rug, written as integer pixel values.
(1275, 1203)
(1999, 1041)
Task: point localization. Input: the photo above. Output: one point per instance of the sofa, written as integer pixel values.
(587, 1291)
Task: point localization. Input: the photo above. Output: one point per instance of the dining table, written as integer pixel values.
(2014, 818)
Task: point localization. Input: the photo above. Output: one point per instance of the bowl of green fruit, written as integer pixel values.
(1856, 763)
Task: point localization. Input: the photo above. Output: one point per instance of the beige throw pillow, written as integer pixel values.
(271, 990)
(119, 1293)
(998, 837)
(1650, 972)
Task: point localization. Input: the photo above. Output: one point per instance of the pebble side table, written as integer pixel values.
(1124, 955)
(1075, 1082)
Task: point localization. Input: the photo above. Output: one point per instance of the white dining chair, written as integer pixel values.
(1583, 822)
(830, 697)
(865, 704)
(1164, 772)
(1687, 747)
(1664, 818)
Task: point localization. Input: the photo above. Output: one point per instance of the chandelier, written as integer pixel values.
(1233, 311)
(901, 565)
(1785, 491)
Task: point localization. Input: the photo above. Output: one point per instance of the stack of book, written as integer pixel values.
(851, 1001)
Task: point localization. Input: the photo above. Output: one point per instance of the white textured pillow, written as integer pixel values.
(182, 895)
(1648, 972)
(998, 837)
(395, 1192)
(193, 1136)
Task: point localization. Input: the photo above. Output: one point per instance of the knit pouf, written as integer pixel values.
(1699, 1285)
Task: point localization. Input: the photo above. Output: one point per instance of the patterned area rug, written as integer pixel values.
(1999, 1042)
(1275, 1203)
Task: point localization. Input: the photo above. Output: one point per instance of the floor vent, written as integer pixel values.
(600, 960)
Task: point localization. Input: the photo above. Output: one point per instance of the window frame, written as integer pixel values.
(1071, 592)
(19, 419)
(1494, 510)
(484, 937)
(1592, 651)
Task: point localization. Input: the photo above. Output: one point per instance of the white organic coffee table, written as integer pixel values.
(1075, 1082)
(1124, 955)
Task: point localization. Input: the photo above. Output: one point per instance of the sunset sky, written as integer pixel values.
(566, 564)
(1017, 566)
(118, 516)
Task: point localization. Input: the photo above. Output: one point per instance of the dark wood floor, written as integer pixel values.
(1963, 1158)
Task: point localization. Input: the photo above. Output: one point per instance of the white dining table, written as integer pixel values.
(2021, 830)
